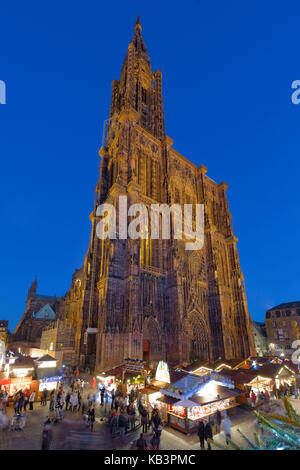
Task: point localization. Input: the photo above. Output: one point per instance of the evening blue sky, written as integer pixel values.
(227, 72)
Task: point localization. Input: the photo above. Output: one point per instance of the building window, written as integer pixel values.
(280, 334)
(277, 313)
(274, 324)
(288, 313)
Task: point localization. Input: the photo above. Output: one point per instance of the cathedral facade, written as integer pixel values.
(150, 298)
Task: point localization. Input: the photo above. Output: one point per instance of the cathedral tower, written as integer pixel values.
(155, 300)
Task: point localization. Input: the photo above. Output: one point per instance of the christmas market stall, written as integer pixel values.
(272, 377)
(194, 398)
(151, 394)
(127, 377)
(19, 375)
(48, 375)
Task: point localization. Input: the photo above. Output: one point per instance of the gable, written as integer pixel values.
(46, 312)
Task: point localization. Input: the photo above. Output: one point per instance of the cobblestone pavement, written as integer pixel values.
(73, 433)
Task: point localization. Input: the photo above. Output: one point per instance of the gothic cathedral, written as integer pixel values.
(150, 298)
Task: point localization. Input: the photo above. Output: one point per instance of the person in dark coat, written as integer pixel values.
(123, 424)
(218, 421)
(91, 417)
(102, 395)
(156, 421)
(201, 434)
(20, 403)
(144, 420)
(67, 400)
(141, 443)
(112, 398)
(79, 400)
(208, 434)
(114, 424)
(46, 435)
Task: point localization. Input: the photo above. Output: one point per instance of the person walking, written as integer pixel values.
(117, 403)
(52, 402)
(201, 434)
(73, 401)
(144, 420)
(61, 403)
(20, 402)
(46, 435)
(16, 402)
(132, 416)
(91, 417)
(43, 396)
(68, 397)
(113, 424)
(227, 428)
(31, 400)
(26, 398)
(102, 396)
(140, 409)
(141, 443)
(112, 399)
(208, 434)
(122, 425)
(158, 435)
(58, 415)
(156, 421)
(218, 421)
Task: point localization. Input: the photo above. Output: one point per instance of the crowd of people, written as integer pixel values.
(126, 413)
(121, 413)
(263, 395)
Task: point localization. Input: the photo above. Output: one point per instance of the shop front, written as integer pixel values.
(274, 378)
(24, 383)
(187, 402)
(127, 377)
(50, 383)
(185, 415)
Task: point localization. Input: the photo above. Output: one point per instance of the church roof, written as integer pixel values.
(50, 298)
(286, 305)
(46, 312)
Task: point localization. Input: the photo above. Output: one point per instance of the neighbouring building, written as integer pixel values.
(260, 338)
(151, 299)
(281, 323)
(4, 331)
(40, 312)
(60, 341)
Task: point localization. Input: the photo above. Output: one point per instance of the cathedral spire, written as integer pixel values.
(139, 88)
(138, 40)
(138, 21)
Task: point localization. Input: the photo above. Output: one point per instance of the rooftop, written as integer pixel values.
(294, 304)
